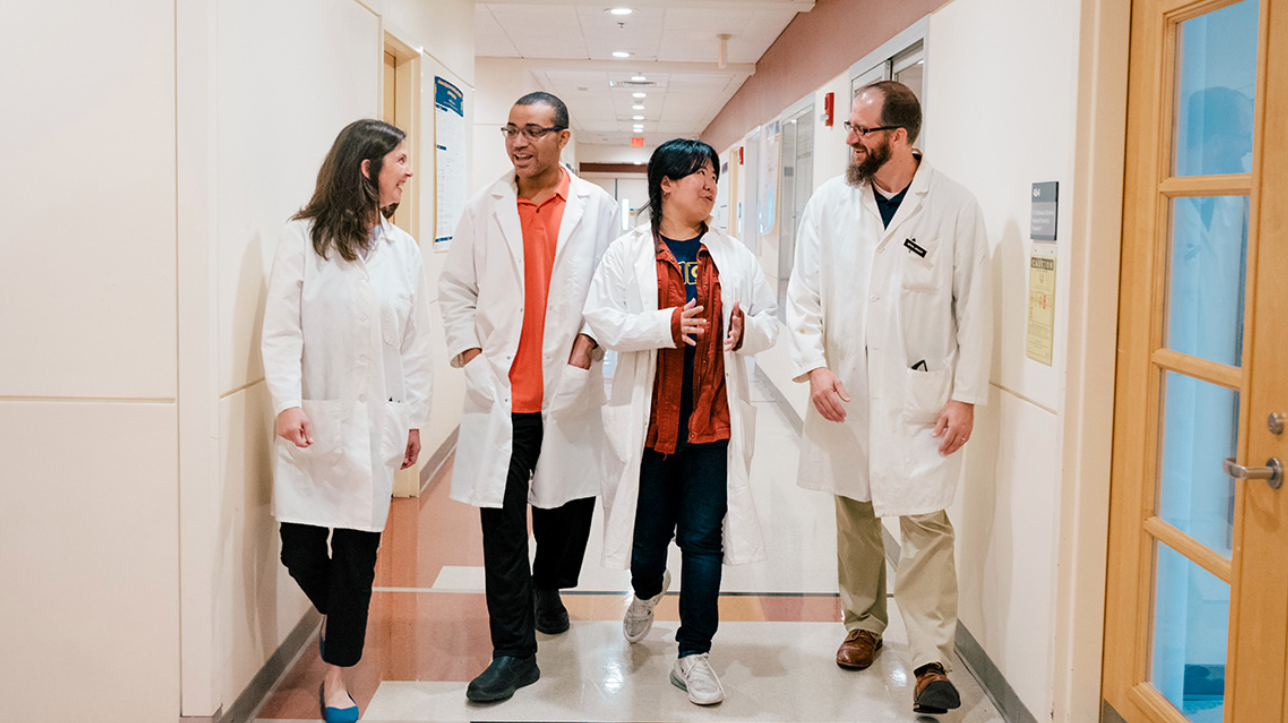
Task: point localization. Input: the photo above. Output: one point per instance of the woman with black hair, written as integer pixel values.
(683, 304)
(346, 360)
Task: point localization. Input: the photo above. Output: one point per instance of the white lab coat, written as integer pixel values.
(623, 315)
(864, 305)
(481, 292)
(349, 342)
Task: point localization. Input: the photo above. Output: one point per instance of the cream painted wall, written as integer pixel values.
(1020, 514)
(88, 454)
(136, 425)
(598, 153)
(500, 82)
(287, 76)
(1031, 510)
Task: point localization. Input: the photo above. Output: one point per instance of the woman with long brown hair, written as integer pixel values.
(346, 359)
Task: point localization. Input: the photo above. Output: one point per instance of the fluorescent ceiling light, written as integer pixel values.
(638, 106)
(637, 117)
(639, 95)
(620, 11)
(638, 78)
(621, 54)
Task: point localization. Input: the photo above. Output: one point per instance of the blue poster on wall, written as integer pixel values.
(449, 161)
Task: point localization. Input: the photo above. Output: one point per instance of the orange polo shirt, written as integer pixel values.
(540, 224)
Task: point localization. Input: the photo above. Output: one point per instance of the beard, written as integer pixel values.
(860, 172)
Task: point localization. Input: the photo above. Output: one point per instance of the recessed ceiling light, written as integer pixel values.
(638, 106)
(638, 78)
(620, 11)
(639, 95)
(621, 54)
(637, 117)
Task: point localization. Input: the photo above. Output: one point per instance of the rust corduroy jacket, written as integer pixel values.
(709, 420)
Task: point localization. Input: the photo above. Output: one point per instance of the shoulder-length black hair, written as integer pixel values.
(675, 159)
(345, 202)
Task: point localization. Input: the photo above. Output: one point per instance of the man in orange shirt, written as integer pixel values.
(512, 291)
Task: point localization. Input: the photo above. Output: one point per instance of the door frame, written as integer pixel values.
(1143, 359)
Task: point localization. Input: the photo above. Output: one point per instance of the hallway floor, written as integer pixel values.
(779, 627)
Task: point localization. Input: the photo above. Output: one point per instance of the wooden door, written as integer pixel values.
(1197, 593)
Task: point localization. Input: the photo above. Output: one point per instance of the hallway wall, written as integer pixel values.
(160, 161)
(88, 380)
(1021, 108)
(286, 77)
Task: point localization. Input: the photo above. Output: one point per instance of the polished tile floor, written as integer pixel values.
(779, 628)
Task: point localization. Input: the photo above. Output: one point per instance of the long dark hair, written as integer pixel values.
(675, 159)
(345, 201)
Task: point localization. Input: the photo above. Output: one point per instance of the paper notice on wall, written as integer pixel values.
(1041, 330)
(449, 161)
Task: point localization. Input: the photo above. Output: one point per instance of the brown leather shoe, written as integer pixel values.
(934, 693)
(858, 650)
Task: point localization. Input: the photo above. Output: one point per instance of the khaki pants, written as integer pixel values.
(925, 582)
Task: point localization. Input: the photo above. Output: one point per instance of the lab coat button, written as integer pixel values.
(362, 398)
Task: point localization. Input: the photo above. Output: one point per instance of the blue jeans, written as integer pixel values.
(683, 495)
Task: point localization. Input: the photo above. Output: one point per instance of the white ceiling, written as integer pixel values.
(568, 48)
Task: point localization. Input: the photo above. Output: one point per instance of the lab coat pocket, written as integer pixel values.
(925, 393)
(328, 420)
(921, 271)
(396, 426)
(572, 383)
(479, 391)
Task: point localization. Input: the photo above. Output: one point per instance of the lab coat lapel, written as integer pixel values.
(911, 205)
(574, 209)
(646, 268)
(506, 207)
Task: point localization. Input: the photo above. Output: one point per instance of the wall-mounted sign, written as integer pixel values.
(1043, 218)
(1040, 338)
(449, 161)
(637, 141)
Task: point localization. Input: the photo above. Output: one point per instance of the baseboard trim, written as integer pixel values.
(435, 464)
(1108, 714)
(256, 693)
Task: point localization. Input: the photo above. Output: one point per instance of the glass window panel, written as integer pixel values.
(1200, 429)
(1191, 616)
(1209, 251)
(1217, 72)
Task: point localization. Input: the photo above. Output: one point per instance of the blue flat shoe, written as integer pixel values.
(337, 715)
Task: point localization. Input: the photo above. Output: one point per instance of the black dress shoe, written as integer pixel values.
(552, 616)
(505, 675)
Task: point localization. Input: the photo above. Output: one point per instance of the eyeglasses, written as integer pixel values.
(532, 133)
(863, 132)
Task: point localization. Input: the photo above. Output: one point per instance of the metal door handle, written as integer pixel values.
(1272, 473)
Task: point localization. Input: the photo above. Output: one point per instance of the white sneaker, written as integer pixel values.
(639, 616)
(694, 674)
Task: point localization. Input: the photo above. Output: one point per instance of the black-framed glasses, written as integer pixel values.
(532, 133)
(863, 132)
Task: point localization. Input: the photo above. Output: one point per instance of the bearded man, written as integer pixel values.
(891, 324)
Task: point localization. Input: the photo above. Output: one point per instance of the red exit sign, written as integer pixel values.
(637, 142)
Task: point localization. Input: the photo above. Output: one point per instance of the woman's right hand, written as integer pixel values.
(294, 426)
(691, 323)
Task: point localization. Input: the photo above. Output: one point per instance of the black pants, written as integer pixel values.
(338, 584)
(561, 534)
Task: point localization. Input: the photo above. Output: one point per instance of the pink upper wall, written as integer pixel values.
(814, 48)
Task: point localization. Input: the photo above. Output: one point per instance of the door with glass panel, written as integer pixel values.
(1197, 607)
